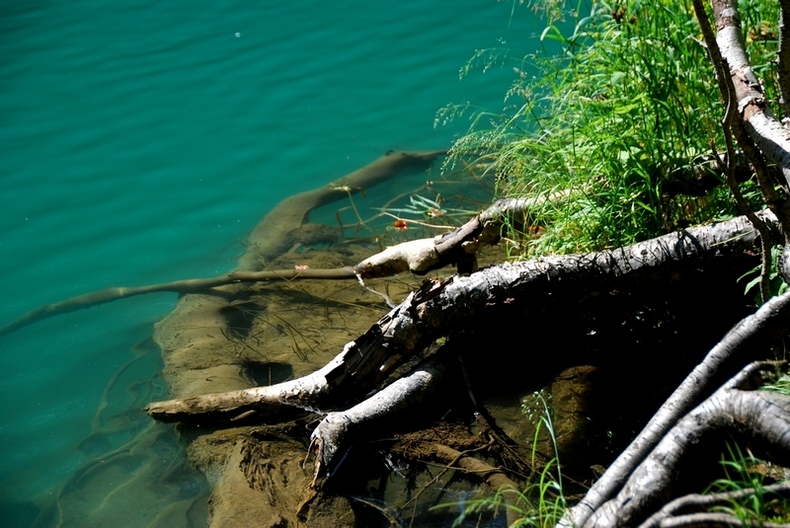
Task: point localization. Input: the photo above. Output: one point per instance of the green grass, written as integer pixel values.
(541, 503)
(744, 472)
(605, 126)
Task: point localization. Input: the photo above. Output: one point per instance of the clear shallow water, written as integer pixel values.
(140, 142)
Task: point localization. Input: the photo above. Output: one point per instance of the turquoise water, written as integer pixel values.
(141, 141)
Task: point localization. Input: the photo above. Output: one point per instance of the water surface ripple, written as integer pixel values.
(141, 141)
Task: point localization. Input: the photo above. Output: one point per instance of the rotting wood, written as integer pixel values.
(432, 311)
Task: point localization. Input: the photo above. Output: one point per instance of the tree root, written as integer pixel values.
(765, 416)
(769, 321)
(676, 512)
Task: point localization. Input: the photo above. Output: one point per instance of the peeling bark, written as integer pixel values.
(760, 135)
(359, 390)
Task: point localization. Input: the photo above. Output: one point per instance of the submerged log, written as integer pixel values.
(457, 247)
(276, 233)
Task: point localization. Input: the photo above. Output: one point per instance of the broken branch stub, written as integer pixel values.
(333, 434)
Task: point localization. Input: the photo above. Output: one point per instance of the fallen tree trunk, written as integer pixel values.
(439, 306)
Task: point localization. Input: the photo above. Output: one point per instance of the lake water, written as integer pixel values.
(141, 141)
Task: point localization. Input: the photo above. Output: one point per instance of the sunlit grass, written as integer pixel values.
(630, 100)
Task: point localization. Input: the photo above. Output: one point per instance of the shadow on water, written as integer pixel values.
(135, 471)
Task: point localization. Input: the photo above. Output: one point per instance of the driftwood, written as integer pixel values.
(438, 306)
(331, 436)
(359, 390)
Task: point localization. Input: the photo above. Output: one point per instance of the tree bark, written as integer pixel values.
(760, 135)
(677, 512)
(441, 305)
(334, 433)
(765, 416)
(770, 321)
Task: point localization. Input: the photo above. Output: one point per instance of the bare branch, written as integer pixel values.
(758, 133)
